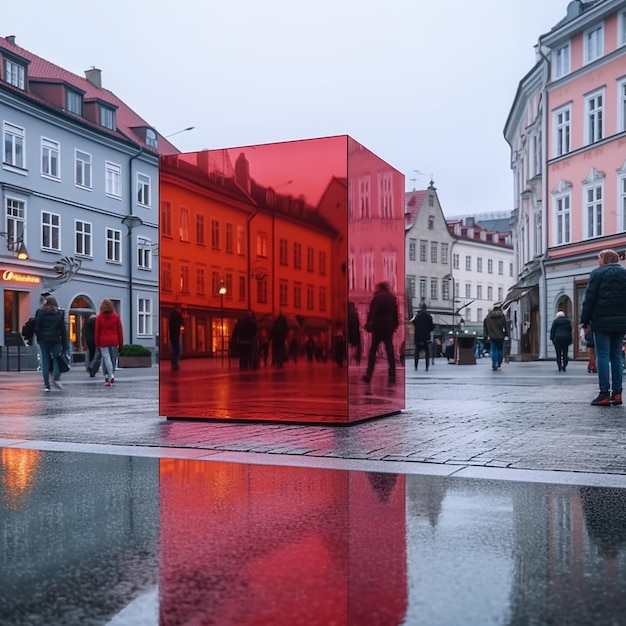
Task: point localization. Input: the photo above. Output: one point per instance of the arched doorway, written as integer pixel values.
(564, 304)
(80, 310)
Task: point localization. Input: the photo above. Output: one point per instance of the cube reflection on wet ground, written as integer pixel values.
(98, 539)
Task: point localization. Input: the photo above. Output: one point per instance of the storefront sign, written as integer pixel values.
(11, 276)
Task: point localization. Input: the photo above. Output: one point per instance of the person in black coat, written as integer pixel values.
(424, 326)
(561, 337)
(51, 334)
(604, 308)
(175, 325)
(382, 322)
(94, 356)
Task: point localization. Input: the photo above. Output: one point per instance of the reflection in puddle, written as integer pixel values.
(101, 538)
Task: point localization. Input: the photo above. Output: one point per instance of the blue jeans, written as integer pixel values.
(609, 356)
(496, 351)
(49, 352)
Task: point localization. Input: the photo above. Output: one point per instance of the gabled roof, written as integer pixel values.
(127, 120)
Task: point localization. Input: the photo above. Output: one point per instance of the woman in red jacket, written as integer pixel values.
(109, 339)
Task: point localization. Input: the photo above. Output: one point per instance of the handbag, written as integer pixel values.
(64, 362)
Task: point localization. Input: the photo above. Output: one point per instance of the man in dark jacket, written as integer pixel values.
(51, 334)
(382, 321)
(175, 325)
(496, 328)
(604, 308)
(561, 337)
(94, 357)
(423, 324)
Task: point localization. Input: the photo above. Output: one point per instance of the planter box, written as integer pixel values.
(134, 361)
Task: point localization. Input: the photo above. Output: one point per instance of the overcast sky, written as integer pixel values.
(425, 84)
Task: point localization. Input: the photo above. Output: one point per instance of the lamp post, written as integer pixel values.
(182, 130)
(222, 293)
(130, 221)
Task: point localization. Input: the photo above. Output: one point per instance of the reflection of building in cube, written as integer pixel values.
(289, 232)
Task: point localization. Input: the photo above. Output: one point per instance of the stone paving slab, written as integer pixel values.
(526, 416)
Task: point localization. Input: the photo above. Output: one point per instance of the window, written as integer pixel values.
(500, 293)
(216, 283)
(144, 317)
(297, 295)
(468, 315)
(166, 218)
(422, 289)
(310, 259)
(183, 226)
(241, 240)
(593, 43)
(14, 145)
(230, 238)
(113, 179)
(511, 269)
(412, 249)
(456, 261)
(261, 245)
(184, 278)
(50, 231)
(107, 117)
(431, 222)
(412, 285)
(594, 115)
(386, 195)
(423, 248)
(73, 102)
(200, 281)
(82, 163)
(322, 263)
(621, 28)
(297, 255)
(144, 253)
(200, 230)
(562, 219)
(166, 275)
(15, 220)
(621, 106)
(445, 289)
(489, 266)
(562, 131)
(501, 268)
(434, 252)
(364, 196)
(50, 158)
(479, 315)
(489, 293)
(113, 243)
(322, 298)
(434, 288)
(593, 211)
(537, 154)
(468, 263)
(82, 244)
(143, 189)
(561, 61)
(215, 234)
(310, 297)
(241, 291)
(229, 286)
(621, 199)
(283, 291)
(14, 73)
(444, 253)
(468, 290)
(479, 264)
(431, 200)
(479, 292)
(151, 138)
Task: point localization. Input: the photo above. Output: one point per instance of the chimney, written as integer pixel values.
(10, 39)
(94, 76)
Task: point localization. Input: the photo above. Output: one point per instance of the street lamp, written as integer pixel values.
(222, 293)
(130, 221)
(182, 130)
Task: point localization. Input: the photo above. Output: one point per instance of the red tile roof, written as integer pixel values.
(126, 118)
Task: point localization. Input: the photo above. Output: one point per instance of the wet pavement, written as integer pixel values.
(494, 498)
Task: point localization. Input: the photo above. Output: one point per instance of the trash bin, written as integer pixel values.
(464, 349)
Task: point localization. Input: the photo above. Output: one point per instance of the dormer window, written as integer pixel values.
(107, 117)
(14, 73)
(74, 102)
(151, 138)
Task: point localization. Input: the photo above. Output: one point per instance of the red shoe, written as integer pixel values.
(603, 399)
(616, 399)
(112, 379)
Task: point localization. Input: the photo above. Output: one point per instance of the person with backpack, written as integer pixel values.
(51, 334)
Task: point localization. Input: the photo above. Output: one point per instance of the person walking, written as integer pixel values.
(496, 328)
(424, 326)
(382, 322)
(280, 330)
(604, 309)
(93, 354)
(561, 337)
(175, 325)
(109, 339)
(51, 334)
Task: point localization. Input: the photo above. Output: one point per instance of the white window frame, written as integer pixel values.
(434, 289)
(17, 155)
(144, 253)
(594, 117)
(561, 60)
(50, 231)
(621, 105)
(144, 317)
(14, 221)
(107, 117)
(14, 73)
(385, 186)
(621, 28)
(562, 123)
(593, 214)
(82, 166)
(144, 189)
(562, 217)
(490, 292)
(593, 43)
(50, 159)
(113, 245)
(621, 196)
(113, 180)
(83, 238)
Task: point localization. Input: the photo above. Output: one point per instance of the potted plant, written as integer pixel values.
(134, 355)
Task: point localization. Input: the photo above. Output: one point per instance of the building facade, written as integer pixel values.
(79, 192)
